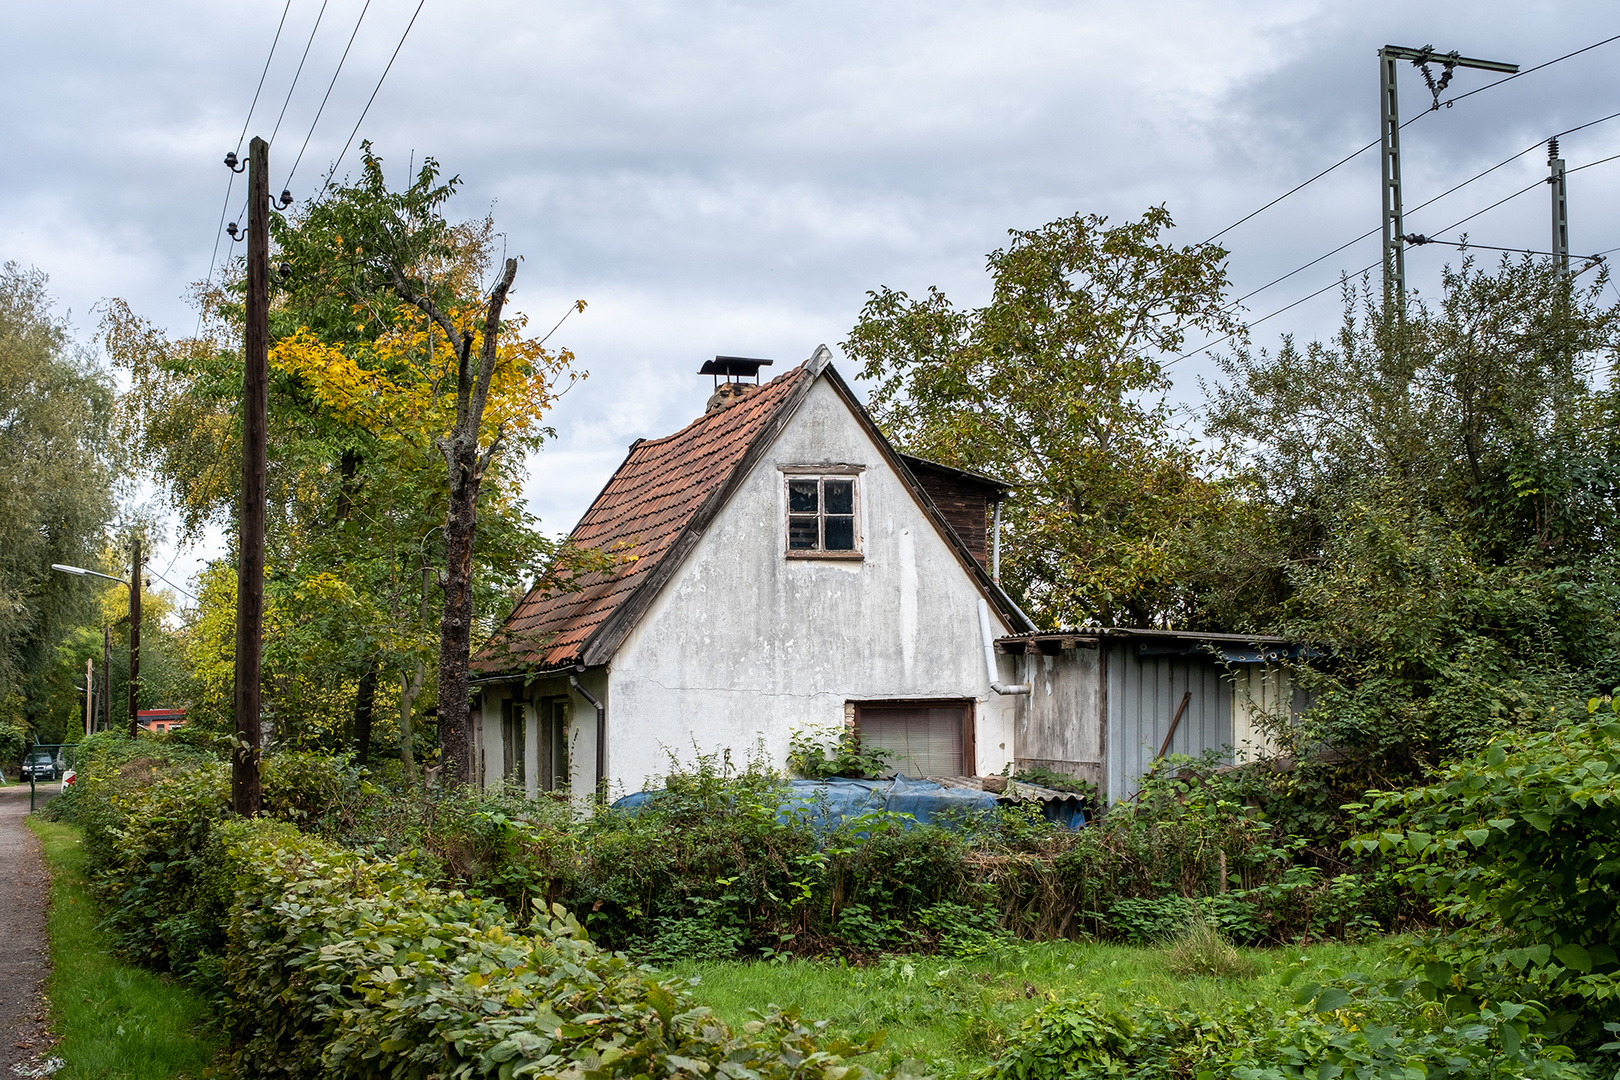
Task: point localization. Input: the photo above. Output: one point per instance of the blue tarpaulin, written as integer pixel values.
(827, 804)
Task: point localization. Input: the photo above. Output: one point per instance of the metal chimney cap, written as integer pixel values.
(733, 367)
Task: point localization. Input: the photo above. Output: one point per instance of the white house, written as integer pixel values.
(788, 570)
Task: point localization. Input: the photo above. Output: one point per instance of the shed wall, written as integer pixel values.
(1143, 694)
(1060, 724)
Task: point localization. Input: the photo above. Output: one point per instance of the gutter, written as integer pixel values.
(990, 655)
(601, 736)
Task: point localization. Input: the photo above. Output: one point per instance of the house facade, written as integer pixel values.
(782, 568)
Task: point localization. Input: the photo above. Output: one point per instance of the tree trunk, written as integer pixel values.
(365, 699)
(408, 690)
(455, 629)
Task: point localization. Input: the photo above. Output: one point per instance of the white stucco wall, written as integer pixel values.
(745, 645)
(580, 737)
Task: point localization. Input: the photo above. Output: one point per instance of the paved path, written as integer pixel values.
(24, 955)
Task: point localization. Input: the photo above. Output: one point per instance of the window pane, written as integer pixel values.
(802, 533)
(840, 496)
(802, 496)
(840, 533)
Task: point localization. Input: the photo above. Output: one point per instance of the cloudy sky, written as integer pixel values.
(733, 177)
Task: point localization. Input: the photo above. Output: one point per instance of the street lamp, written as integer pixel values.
(134, 586)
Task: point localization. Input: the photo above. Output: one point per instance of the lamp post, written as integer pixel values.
(134, 585)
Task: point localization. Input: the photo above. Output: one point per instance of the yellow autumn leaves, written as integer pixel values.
(403, 382)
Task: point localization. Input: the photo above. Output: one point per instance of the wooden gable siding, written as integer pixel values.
(964, 506)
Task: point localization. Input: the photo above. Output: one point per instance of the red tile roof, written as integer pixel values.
(643, 511)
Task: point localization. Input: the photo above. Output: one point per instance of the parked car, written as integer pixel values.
(39, 765)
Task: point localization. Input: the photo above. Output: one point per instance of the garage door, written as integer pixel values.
(927, 738)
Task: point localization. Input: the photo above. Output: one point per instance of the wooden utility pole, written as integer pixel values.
(135, 640)
(89, 695)
(248, 743)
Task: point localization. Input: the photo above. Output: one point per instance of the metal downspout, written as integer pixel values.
(601, 738)
(990, 655)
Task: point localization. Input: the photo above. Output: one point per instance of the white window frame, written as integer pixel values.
(821, 472)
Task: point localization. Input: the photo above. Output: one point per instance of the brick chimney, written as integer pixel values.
(733, 369)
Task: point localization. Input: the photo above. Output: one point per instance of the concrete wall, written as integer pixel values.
(745, 645)
(580, 737)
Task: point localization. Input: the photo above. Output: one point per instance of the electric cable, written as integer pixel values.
(288, 100)
(1448, 103)
(1270, 315)
(1589, 164)
(171, 584)
(374, 91)
(328, 95)
(230, 182)
(1430, 202)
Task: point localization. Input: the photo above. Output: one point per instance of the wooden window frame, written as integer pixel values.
(821, 472)
(969, 707)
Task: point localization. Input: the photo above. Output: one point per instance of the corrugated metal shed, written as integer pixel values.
(1105, 700)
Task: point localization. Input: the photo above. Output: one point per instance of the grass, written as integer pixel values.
(955, 1014)
(114, 1020)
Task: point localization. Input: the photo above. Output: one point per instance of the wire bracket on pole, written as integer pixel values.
(1437, 88)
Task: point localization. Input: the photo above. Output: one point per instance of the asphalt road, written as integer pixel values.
(24, 948)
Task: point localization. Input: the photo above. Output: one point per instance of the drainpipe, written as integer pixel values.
(601, 738)
(990, 655)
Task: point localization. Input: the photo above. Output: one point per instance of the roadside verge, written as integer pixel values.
(113, 1019)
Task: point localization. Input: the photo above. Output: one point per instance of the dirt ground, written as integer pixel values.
(24, 948)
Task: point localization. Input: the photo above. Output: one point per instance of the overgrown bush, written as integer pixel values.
(1366, 1027)
(1520, 847)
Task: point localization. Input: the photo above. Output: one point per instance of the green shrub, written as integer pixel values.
(1371, 1029)
(1200, 948)
(345, 967)
(1520, 846)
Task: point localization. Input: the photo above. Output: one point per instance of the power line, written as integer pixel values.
(273, 42)
(285, 102)
(350, 142)
(1269, 315)
(1589, 164)
(1430, 202)
(1448, 103)
(328, 95)
(171, 584)
(213, 257)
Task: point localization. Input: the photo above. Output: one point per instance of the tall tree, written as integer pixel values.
(1441, 498)
(377, 252)
(1057, 384)
(58, 468)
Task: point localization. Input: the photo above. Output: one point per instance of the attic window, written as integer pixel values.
(822, 515)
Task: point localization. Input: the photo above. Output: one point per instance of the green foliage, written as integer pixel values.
(1435, 510)
(332, 961)
(57, 469)
(111, 1017)
(1521, 844)
(1368, 1027)
(828, 753)
(1056, 385)
(1201, 949)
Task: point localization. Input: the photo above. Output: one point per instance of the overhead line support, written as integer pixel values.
(1389, 59)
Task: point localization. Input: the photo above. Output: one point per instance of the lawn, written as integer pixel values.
(114, 1020)
(953, 1014)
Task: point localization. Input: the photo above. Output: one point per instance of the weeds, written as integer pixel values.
(1201, 949)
